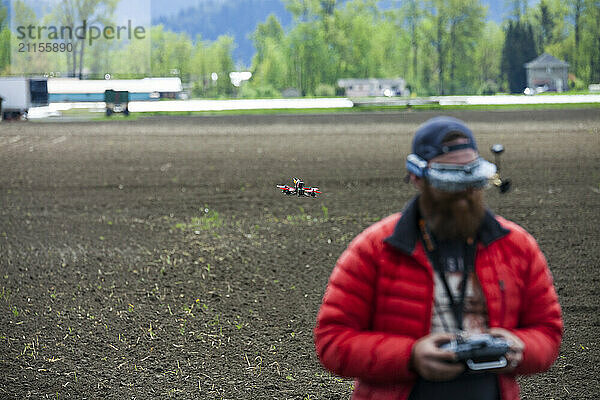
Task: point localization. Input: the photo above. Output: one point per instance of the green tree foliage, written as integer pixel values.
(310, 60)
(220, 52)
(4, 51)
(4, 41)
(309, 45)
(271, 58)
(466, 23)
(410, 19)
(486, 66)
(370, 44)
(355, 39)
(587, 51)
(23, 15)
(547, 23)
(210, 67)
(3, 16)
(171, 53)
(74, 12)
(518, 8)
(270, 30)
(577, 11)
(437, 46)
(356, 42)
(519, 48)
(305, 10)
(453, 29)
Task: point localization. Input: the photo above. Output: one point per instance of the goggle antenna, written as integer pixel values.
(502, 184)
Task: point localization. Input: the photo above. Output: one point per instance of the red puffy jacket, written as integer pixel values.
(379, 299)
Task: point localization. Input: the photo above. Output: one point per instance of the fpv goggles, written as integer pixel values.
(452, 177)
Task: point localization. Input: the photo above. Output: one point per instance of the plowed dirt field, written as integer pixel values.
(156, 259)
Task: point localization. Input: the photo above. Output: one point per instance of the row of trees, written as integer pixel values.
(4, 40)
(438, 46)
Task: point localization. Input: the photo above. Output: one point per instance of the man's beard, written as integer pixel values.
(452, 216)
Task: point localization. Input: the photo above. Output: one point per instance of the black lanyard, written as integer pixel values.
(456, 304)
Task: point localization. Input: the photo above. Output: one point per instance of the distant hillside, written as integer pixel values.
(212, 18)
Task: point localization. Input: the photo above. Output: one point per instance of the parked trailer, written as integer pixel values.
(20, 94)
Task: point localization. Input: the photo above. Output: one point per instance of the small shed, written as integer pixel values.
(548, 71)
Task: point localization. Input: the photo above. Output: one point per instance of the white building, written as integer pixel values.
(76, 90)
(374, 87)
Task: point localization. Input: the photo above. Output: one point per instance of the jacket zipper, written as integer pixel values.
(502, 302)
(501, 286)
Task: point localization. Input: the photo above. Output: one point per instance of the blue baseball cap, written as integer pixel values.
(428, 139)
(453, 166)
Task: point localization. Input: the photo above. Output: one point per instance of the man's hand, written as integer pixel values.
(433, 363)
(514, 356)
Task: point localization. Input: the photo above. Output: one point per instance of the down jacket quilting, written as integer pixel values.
(379, 299)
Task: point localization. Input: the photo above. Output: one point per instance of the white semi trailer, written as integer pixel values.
(19, 94)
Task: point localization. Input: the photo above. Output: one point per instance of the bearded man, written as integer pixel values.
(444, 269)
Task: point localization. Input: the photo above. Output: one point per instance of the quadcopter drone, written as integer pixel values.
(299, 189)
